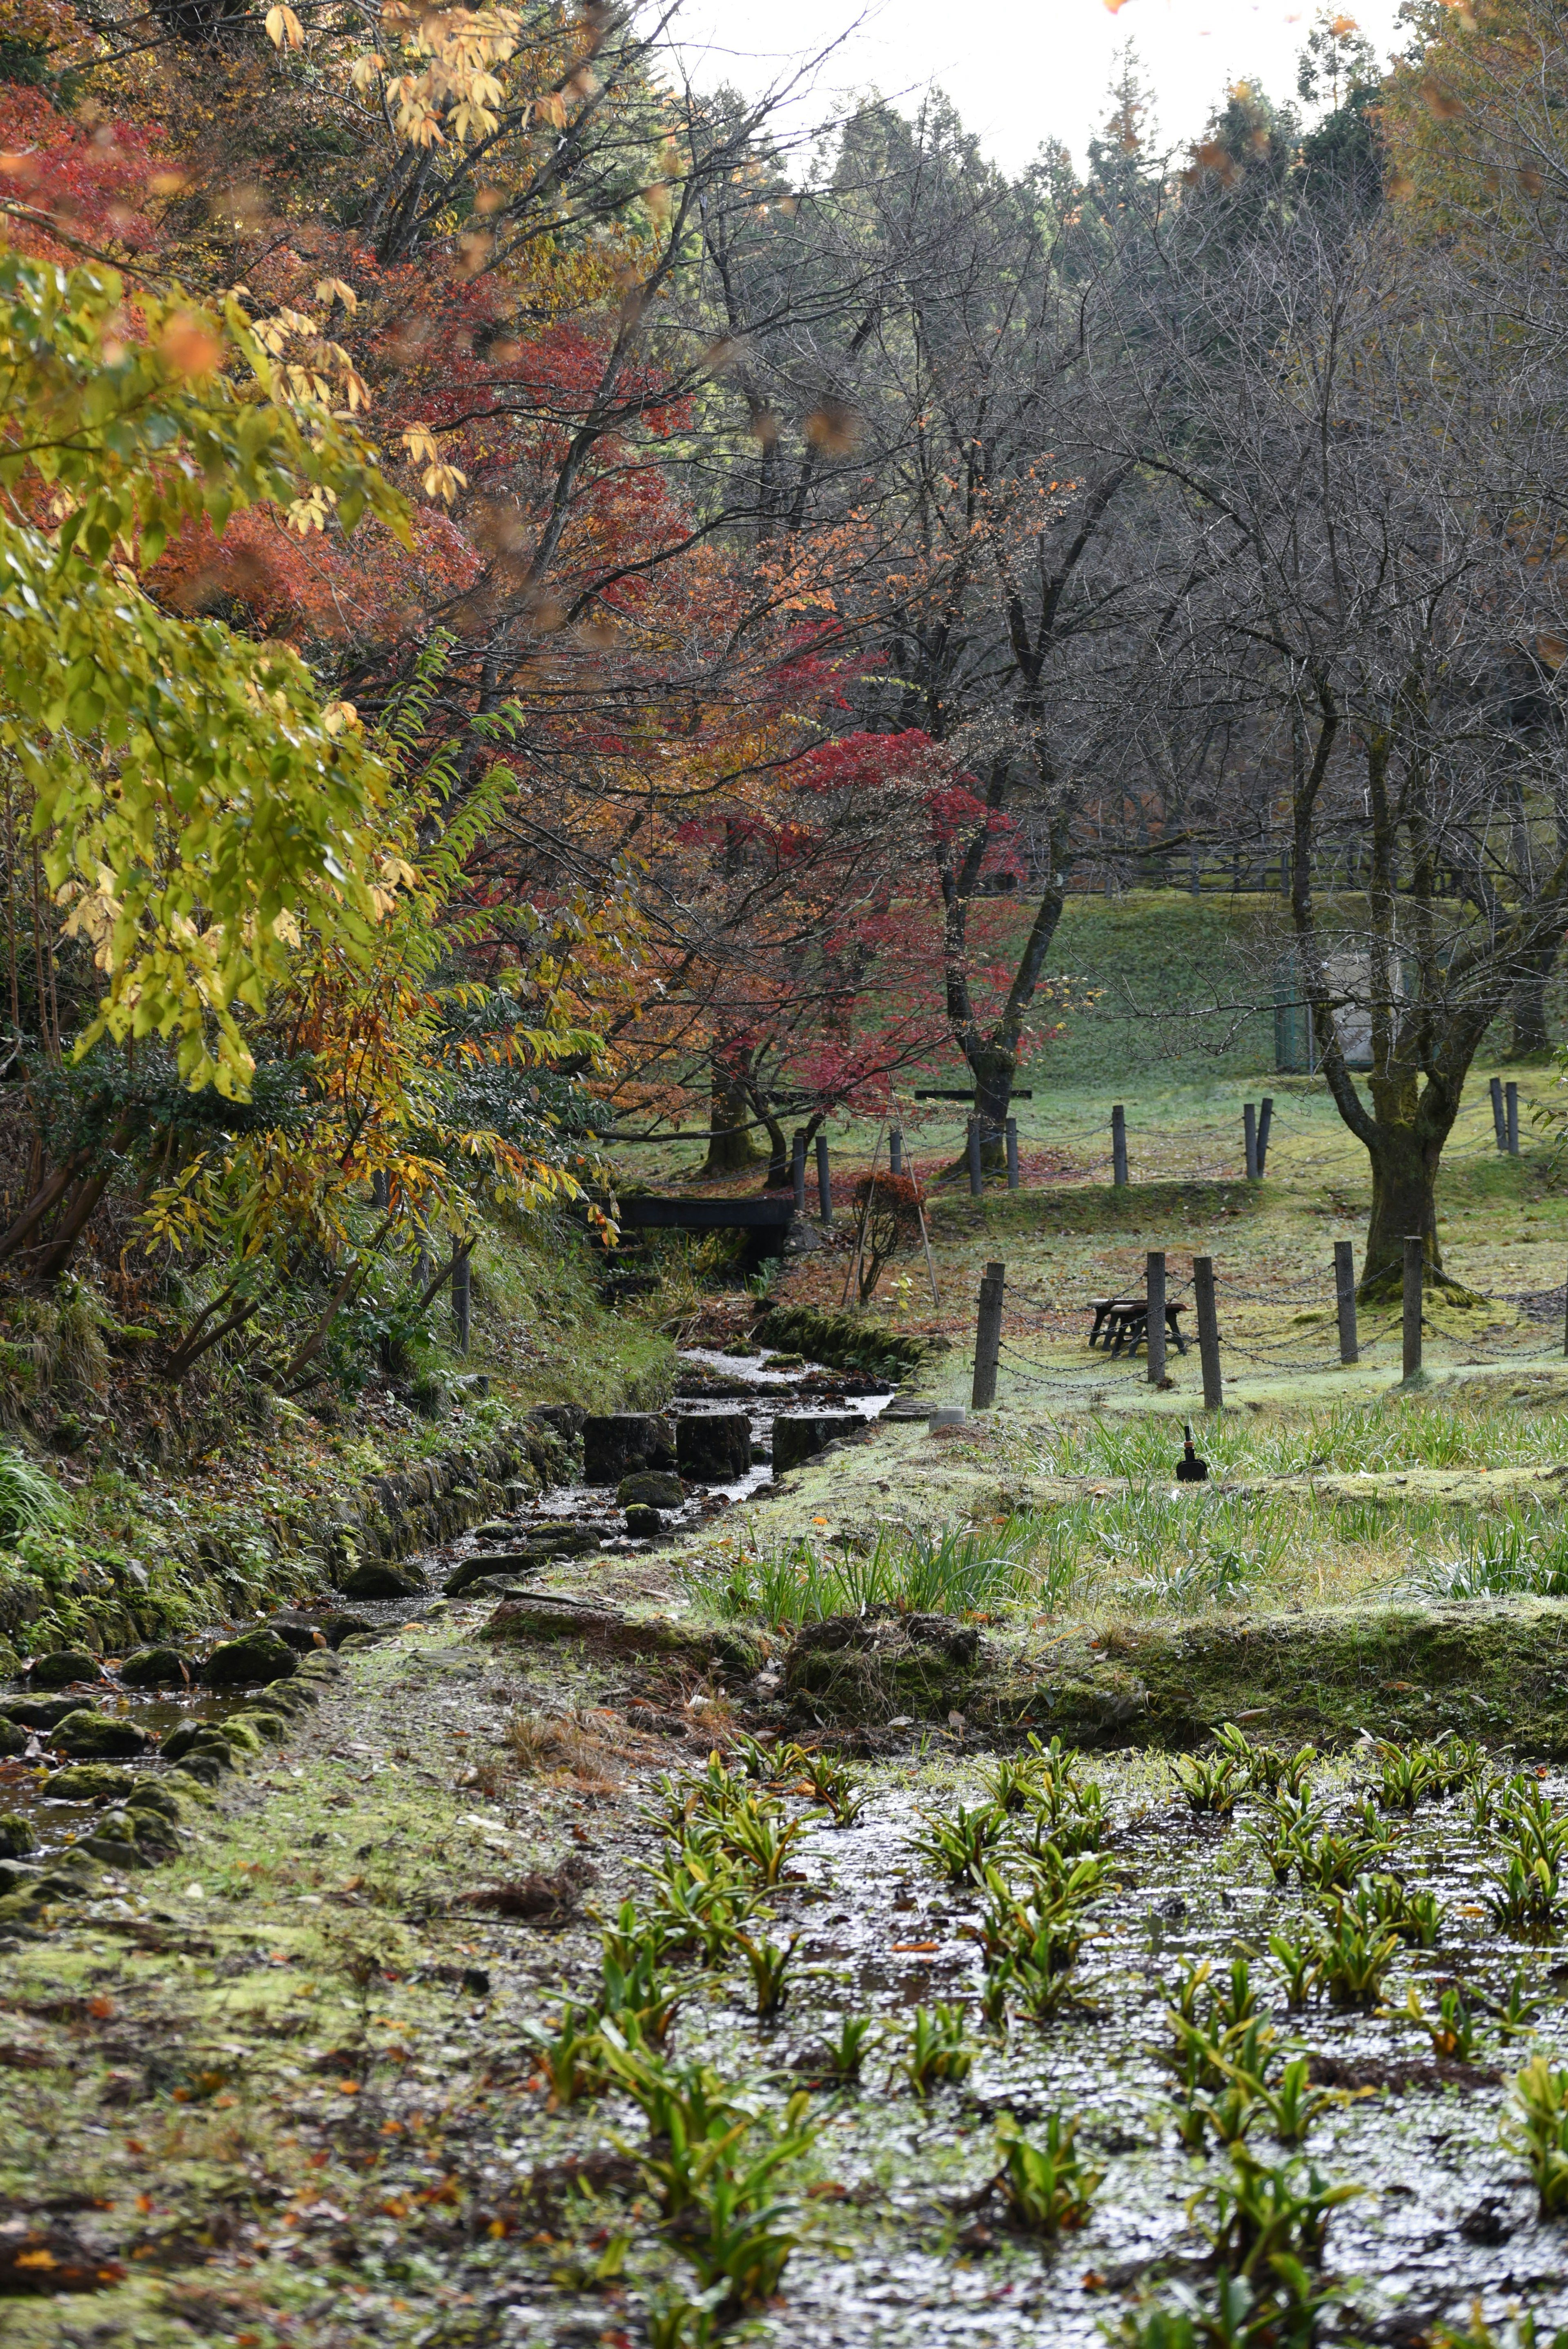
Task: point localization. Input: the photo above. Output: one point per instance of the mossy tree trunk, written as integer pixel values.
(730, 1149)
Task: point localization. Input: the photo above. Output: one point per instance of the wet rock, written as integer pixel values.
(619, 1443)
(644, 1524)
(376, 1580)
(91, 1781)
(62, 1666)
(113, 1840)
(568, 1419)
(39, 1711)
(651, 1489)
(208, 1763)
(713, 1447)
(193, 1739)
(159, 1799)
(155, 1667)
(335, 1629)
(497, 1565)
(288, 1698)
(799, 1434)
(13, 1740)
(854, 1668)
(16, 1835)
(88, 1736)
(559, 1537)
(17, 1875)
(301, 1632)
(257, 1655)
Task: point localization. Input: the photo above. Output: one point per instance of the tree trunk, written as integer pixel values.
(994, 1068)
(730, 1150)
(1404, 1202)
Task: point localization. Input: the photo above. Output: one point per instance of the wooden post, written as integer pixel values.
(1012, 1131)
(1510, 1096)
(1208, 1330)
(896, 1151)
(976, 1172)
(461, 1300)
(1265, 1120)
(798, 1173)
(1250, 1140)
(1119, 1146)
(1414, 1266)
(1345, 1298)
(1154, 1327)
(988, 1337)
(1499, 1127)
(824, 1190)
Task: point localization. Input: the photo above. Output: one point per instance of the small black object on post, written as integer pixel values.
(1190, 1469)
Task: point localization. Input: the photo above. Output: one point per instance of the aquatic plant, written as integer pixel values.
(936, 2049)
(958, 1843)
(571, 2057)
(1453, 2030)
(1281, 2312)
(847, 2052)
(1293, 2103)
(1299, 1957)
(1265, 2213)
(1518, 2012)
(829, 1782)
(1047, 2188)
(758, 1835)
(1213, 1786)
(1536, 2125)
(768, 1964)
(674, 2320)
(1415, 1917)
(701, 1900)
(1354, 1955)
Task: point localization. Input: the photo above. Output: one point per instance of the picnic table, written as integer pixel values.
(1122, 1322)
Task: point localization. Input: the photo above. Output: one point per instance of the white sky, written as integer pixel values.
(1019, 71)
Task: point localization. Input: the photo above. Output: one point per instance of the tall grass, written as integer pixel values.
(30, 1500)
(961, 1570)
(1353, 1435)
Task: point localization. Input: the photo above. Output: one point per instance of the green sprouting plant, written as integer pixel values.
(1226, 2115)
(1453, 2030)
(1366, 1824)
(1415, 1917)
(633, 1938)
(571, 2057)
(676, 2321)
(760, 1835)
(1236, 2003)
(1407, 1773)
(1282, 2313)
(1355, 1954)
(1518, 2013)
(764, 1764)
(1527, 1898)
(1190, 1989)
(1267, 2213)
(1301, 1959)
(1011, 1783)
(1265, 1769)
(768, 1965)
(1293, 2103)
(694, 2117)
(832, 1785)
(1331, 1863)
(1047, 2188)
(936, 2049)
(1213, 1786)
(1536, 2125)
(637, 1995)
(960, 1844)
(847, 2052)
(1518, 2332)
(701, 1900)
(738, 2243)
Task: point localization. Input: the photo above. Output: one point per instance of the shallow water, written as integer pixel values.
(1449, 2216)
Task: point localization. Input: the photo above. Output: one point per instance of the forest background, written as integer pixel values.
(536, 606)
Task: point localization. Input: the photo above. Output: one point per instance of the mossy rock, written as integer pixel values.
(841, 1341)
(651, 1489)
(13, 1740)
(61, 1667)
(234, 1735)
(254, 1656)
(547, 1620)
(16, 1835)
(182, 1784)
(269, 1727)
(91, 1781)
(158, 1796)
(858, 1669)
(154, 1668)
(88, 1736)
(17, 1878)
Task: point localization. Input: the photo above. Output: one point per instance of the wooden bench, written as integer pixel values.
(1123, 1322)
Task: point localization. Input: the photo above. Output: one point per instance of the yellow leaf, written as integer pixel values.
(284, 28)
